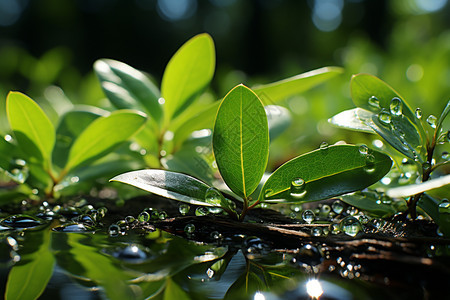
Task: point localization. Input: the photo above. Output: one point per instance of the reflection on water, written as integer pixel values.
(70, 261)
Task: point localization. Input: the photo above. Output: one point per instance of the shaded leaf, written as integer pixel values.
(326, 173)
(30, 276)
(128, 88)
(349, 119)
(274, 92)
(369, 202)
(187, 74)
(174, 291)
(70, 126)
(241, 140)
(443, 116)
(176, 186)
(33, 130)
(102, 136)
(430, 205)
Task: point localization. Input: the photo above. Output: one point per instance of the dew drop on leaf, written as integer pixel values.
(213, 196)
(444, 207)
(370, 163)
(162, 215)
(308, 216)
(363, 149)
(384, 117)
(431, 120)
(144, 217)
(298, 186)
(201, 211)
(445, 155)
(418, 113)
(396, 106)
(323, 145)
(114, 230)
(426, 166)
(374, 102)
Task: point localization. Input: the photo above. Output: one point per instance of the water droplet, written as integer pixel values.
(323, 145)
(296, 207)
(74, 227)
(334, 228)
(370, 163)
(215, 210)
(144, 217)
(418, 113)
(374, 102)
(308, 216)
(431, 120)
(386, 200)
(254, 247)
(189, 228)
(215, 235)
(130, 219)
(352, 211)
(213, 196)
(363, 149)
(114, 230)
(325, 210)
(396, 106)
(445, 155)
(131, 254)
(350, 226)
(122, 225)
(444, 207)
(21, 222)
(298, 186)
(337, 207)
(162, 215)
(201, 211)
(309, 255)
(184, 208)
(384, 117)
(363, 219)
(316, 231)
(154, 214)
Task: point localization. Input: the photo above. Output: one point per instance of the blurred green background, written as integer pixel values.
(47, 48)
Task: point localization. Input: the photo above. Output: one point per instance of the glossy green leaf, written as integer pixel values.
(187, 74)
(241, 140)
(70, 126)
(443, 115)
(364, 86)
(33, 130)
(279, 119)
(176, 186)
(370, 202)
(274, 92)
(128, 88)
(30, 276)
(174, 291)
(203, 119)
(349, 119)
(326, 173)
(103, 135)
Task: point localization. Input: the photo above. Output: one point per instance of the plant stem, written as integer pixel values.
(244, 209)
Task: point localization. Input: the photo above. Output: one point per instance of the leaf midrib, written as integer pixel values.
(241, 146)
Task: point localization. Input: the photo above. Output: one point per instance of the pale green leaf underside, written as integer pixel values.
(188, 72)
(32, 128)
(349, 119)
(241, 140)
(413, 189)
(103, 135)
(172, 185)
(327, 173)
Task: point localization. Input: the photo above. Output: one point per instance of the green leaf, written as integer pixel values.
(29, 277)
(241, 140)
(413, 189)
(274, 92)
(128, 88)
(369, 202)
(326, 173)
(187, 74)
(278, 118)
(176, 186)
(364, 86)
(70, 126)
(174, 291)
(349, 119)
(443, 116)
(33, 130)
(7, 152)
(430, 205)
(189, 162)
(103, 135)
